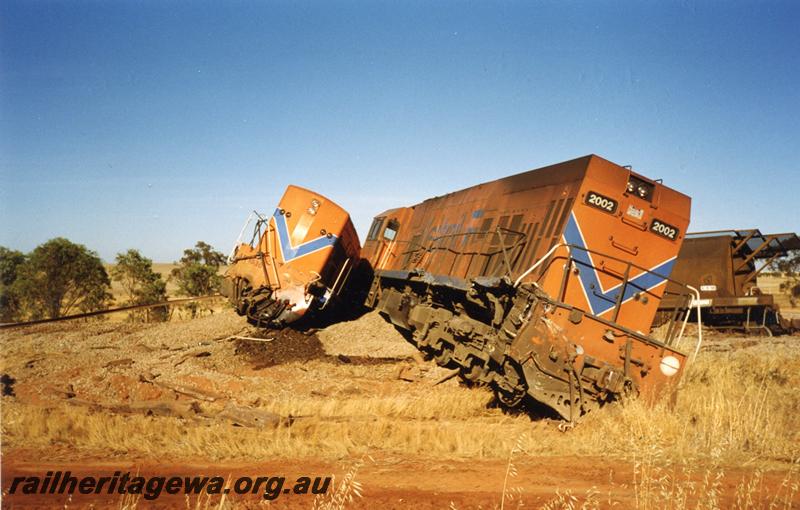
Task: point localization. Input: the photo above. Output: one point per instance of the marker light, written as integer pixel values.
(669, 365)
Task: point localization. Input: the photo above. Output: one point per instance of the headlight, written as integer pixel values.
(670, 365)
(642, 191)
(314, 206)
(631, 187)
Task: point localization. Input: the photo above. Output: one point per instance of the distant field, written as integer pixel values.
(771, 285)
(162, 268)
(177, 311)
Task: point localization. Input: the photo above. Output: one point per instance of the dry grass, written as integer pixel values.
(771, 284)
(163, 269)
(357, 426)
(659, 484)
(512, 494)
(734, 424)
(737, 409)
(344, 493)
(739, 405)
(735, 406)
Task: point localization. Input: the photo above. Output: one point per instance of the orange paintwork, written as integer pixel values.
(446, 235)
(301, 244)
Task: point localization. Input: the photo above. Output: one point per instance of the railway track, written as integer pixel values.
(95, 313)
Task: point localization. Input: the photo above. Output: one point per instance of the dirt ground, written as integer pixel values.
(387, 481)
(187, 399)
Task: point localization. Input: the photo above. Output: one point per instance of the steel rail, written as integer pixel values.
(10, 325)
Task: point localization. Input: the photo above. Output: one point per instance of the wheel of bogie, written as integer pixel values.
(443, 355)
(509, 399)
(629, 391)
(473, 372)
(515, 384)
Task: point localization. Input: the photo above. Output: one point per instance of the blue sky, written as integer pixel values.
(155, 124)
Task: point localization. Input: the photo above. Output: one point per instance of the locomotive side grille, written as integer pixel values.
(530, 246)
(553, 218)
(548, 214)
(518, 256)
(564, 216)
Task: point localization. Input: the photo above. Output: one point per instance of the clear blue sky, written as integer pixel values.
(155, 124)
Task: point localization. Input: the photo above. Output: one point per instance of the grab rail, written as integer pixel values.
(694, 296)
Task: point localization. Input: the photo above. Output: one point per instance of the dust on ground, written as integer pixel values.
(368, 336)
(225, 398)
(211, 362)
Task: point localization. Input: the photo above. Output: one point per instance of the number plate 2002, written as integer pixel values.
(664, 229)
(603, 203)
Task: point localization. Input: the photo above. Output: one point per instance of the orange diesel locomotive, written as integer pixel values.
(544, 283)
(298, 260)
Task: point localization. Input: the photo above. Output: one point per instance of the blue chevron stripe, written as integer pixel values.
(601, 301)
(290, 252)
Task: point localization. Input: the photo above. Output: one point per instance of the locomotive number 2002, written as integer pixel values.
(601, 202)
(664, 229)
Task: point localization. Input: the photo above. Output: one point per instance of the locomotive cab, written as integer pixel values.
(383, 245)
(298, 261)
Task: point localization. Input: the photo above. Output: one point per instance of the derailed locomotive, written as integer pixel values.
(298, 260)
(542, 284)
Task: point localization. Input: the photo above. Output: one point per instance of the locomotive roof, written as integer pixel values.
(549, 174)
(577, 164)
(587, 158)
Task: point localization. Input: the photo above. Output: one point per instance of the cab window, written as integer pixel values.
(392, 226)
(375, 229)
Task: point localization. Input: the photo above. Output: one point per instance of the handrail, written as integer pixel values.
(387, 251)
(605, 255)
(267, 233)
(334, 290)
(433, 240)
(435, 245)
(256, 239)
(241, 233)
(537, 263)
(695, 300)
(699, 323)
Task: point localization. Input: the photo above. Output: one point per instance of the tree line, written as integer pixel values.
(60, 278)
(789, 267)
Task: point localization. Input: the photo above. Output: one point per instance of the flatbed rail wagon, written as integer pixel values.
(724, 265)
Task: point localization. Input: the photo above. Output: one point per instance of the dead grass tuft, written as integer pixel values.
(737, 406)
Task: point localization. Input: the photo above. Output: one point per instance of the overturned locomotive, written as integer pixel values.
(542, 284)
(298, 260)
